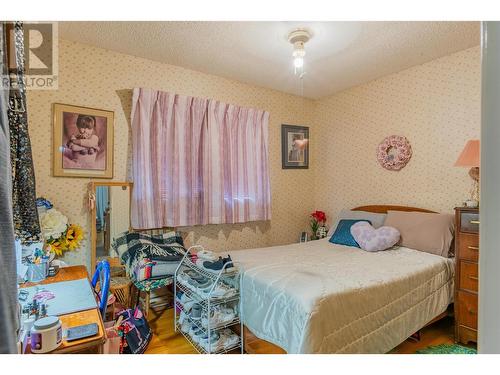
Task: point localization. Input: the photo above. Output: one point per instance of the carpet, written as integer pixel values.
(447, 349)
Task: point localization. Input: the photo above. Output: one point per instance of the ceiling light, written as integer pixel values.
(298, 62)
(298, 38)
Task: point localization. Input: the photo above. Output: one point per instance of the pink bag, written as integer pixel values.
(112, 344)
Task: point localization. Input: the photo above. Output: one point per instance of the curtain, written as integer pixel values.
(8, 278)
(26, 224)
(197, 161)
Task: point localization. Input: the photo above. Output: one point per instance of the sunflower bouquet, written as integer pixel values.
(59, 235)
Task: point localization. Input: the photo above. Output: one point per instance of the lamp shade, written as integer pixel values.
(470, 155)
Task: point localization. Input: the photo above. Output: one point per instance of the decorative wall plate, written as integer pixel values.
(394, 152)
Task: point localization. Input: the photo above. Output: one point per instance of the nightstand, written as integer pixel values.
(466, 274)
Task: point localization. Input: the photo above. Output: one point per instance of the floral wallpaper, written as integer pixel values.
(436, 106)
(98, 78)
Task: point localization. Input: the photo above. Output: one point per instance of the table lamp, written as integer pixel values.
(470, 158)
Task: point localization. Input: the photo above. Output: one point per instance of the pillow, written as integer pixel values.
(377, 220)
(428, 232)
(342, 235)
(371, 239)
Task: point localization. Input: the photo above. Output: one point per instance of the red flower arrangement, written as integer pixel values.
(318, 218)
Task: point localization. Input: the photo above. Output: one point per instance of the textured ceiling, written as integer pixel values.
(339, 55)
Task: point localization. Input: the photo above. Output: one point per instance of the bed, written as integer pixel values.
(319, 297)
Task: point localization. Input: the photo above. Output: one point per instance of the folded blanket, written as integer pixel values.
(149, 256)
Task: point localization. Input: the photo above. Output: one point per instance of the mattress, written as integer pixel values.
(318, 297)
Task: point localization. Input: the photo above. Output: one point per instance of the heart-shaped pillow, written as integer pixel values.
(371, 239)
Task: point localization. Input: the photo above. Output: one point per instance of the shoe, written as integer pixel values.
(229, 339)
(213, 266)
(191, 274)
(228, 260)
(196, 312)
(200, 284)
(218, 316)
(186, 326)
(217, 265)
(182, 317)
(220, 291)
(197, 335)
(186, 281)
(212, 344)
(185, 298)
(185, 302)
(189, 305)
(183, 279)
(193, 330)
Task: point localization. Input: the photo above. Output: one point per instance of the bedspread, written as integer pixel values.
(318, 297)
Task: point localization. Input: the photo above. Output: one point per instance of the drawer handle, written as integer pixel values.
(476, 248)
(474, 221)
(471, 311)
(473, 278)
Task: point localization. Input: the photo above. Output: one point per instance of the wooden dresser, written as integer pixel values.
(466, 274)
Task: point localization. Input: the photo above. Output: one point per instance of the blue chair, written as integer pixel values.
(102, 274)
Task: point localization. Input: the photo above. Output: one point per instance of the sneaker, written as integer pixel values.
(186, 326)
(213, 266)
(229, 339)
(204, 283)
(185, 298)
(197, 334)
(183, 279)
(196, 312)
(218, 316)
(220, 291)
(179, 295)
(228, 261)
(188, 305)
(212, 344)
(217, 265)
(191, 274)
(182, 317)
(192, 330)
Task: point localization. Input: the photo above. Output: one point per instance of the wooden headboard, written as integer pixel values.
(382, 209)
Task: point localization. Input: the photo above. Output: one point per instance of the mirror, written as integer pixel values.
(110, 216)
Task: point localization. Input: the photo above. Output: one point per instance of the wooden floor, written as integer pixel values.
(166, 341)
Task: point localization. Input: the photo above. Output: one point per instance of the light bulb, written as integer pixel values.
(298, 62)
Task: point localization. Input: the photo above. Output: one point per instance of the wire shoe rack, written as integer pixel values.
(228, 278)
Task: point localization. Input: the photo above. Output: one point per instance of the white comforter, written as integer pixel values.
(319, 297)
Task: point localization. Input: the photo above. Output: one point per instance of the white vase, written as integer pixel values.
(321, 232)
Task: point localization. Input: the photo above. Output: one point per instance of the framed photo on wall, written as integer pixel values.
(82, 142)
(294, 147)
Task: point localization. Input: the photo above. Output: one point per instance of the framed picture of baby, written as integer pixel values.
(82, 142)
(294, 147)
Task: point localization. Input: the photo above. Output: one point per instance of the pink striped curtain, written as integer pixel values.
(197, 161)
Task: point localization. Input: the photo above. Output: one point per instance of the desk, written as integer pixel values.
(89, 344)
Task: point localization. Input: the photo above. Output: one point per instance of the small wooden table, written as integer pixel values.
(90, 344)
